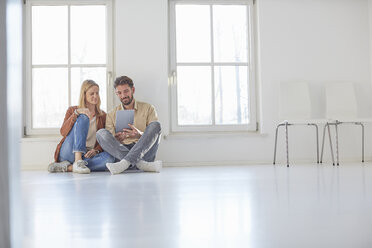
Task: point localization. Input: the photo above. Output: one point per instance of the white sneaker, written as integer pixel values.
(58, 166)
(80, 167)
(150, 166)
(119, 167)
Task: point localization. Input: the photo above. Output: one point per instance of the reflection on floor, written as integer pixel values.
(224, 206)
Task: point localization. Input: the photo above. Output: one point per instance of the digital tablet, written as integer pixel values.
(123, 118)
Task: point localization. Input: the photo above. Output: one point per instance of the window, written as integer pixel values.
(67, 42)
(212, 55)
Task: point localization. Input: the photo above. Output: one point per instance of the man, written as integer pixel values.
(135, 147)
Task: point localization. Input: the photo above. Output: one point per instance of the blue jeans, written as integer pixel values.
(76, 142)
(145, 148)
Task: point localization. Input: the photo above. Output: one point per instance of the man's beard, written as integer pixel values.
(130, 100)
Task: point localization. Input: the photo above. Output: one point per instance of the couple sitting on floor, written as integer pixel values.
(90, 142)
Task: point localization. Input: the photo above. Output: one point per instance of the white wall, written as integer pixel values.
(313, 40)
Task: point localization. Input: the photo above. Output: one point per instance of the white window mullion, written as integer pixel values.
(28, 87)
(251, 68)
(69, 54)
(87, 65)
(212, 67)
(72, 66)
(215, 64)
(173, 68)
(109, 55)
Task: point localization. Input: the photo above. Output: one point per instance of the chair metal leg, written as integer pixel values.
(337, 152)
(276, 140)
(330, 143)
(362, 142)
(361, 124)
(317, 144)
(321, 155)
(286, 142)
(286, 124)
(317, 141)
(325, 129)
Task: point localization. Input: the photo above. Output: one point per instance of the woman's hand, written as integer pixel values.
(84, 111)
(91, 153)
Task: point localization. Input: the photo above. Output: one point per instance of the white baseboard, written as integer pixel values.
(212, 163)
(34, 167)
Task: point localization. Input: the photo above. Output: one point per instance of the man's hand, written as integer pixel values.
(132, 133)
(120, 136)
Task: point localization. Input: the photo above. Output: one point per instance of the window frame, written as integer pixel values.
(28, 129)
(251, 84)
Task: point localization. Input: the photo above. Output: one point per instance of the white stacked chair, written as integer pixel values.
(341, 108)
(294, 109)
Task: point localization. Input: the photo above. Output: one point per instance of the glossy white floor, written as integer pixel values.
(224, 206)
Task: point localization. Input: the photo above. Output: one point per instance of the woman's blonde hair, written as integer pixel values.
(85, 86)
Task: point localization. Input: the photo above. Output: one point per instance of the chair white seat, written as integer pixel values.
(350, 120)
(305, 122)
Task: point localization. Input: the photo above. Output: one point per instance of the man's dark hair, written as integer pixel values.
(123, 80)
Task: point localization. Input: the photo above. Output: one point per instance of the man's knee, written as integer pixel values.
(101, 134)
(155, 126)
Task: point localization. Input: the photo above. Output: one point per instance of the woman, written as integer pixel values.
(78, 150)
